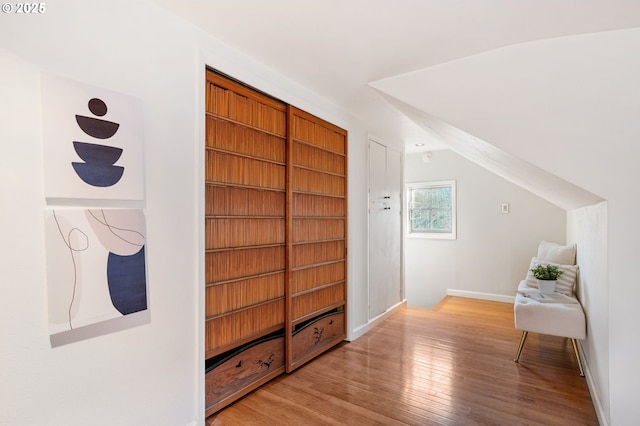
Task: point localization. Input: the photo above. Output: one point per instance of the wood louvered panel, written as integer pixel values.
(316, 242)
(317, 276)
(232, 137)
(244, 105)
(238, 232)
(307, 128)
(238, 201)
(234, 295)
(311, 303)
(309, 205)
(316, 182)
(317, 159)
(227, 265)
(305, 229)
(242, 326)
(315, 253)
(227, 168)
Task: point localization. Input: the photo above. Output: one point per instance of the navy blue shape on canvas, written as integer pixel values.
(100, 129)
(97, 169)
(98, 175)
(127, 282)
(98, 155)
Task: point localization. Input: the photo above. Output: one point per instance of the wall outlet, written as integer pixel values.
(505, 207)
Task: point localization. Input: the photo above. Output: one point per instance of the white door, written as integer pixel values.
(385, 228)
(394, 226)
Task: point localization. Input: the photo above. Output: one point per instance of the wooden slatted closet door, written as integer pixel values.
(316, 238)
(245, 209)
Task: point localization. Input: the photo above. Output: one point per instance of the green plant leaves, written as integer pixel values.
(546, 272)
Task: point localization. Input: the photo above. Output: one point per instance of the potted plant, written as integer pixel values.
(547, 275)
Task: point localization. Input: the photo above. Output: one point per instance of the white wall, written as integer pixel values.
(493, 250)
(587, 227)
(151, 374)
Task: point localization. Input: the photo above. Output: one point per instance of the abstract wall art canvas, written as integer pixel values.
(96, 271)
(93, 147)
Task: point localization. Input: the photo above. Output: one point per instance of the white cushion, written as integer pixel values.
(557, 319)
(566, 282)
(555, 253)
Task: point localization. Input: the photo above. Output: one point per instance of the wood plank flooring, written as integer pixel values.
(451, 365)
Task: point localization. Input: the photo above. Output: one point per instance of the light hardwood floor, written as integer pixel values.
(451, 365)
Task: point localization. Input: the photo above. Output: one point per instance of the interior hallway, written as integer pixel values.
(449, 365)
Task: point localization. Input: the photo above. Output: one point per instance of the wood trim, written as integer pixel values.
(288, 319)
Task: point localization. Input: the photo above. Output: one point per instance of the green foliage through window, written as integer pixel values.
(431, 208)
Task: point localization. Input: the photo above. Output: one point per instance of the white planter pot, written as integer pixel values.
(547, 286)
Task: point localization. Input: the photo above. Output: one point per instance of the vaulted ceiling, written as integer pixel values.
(400, 65)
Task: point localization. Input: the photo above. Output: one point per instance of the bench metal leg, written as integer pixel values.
(575, 349)
(522, 339)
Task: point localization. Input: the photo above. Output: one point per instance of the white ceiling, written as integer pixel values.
(337, 47)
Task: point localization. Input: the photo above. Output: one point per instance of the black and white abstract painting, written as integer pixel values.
(96, 271)
(93, 146)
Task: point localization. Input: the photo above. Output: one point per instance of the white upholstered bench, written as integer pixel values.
(557, 314)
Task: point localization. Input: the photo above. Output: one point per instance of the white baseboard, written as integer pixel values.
(482, 296)
(603, 419)
(374, 321)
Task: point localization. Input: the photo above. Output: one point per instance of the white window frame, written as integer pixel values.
(409, 187)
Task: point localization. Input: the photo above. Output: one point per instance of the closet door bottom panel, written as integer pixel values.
(318, 335)
(242, 371)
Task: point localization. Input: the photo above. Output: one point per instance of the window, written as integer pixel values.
(431, 209)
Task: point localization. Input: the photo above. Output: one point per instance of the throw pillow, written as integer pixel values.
(556, 253)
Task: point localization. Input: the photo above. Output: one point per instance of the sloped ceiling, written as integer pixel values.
(558, 103)
(379, 58)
